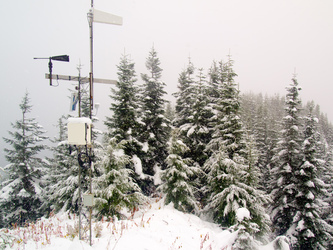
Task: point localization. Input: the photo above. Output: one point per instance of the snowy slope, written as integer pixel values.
(156, 227)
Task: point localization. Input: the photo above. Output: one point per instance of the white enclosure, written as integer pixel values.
(79, 131)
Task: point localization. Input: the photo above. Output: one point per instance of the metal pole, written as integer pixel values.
(80, 196)
(80, 205)
(91, 106)
(79, 90)
(91, 74)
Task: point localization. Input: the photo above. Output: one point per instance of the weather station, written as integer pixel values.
(80, 128)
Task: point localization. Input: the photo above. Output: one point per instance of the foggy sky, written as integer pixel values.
(268, 41)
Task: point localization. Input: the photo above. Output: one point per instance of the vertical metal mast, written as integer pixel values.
(91, 76)
(101, 17)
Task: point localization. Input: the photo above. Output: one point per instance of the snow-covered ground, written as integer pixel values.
(154, 227)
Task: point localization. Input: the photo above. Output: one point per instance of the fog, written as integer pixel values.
(269, 41)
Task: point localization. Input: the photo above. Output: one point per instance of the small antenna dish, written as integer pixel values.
(62, 58)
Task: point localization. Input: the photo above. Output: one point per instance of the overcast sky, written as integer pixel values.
(268, 41)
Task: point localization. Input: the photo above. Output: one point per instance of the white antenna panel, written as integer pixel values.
(104, 17)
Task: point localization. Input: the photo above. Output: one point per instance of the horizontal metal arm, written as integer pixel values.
(83, 79)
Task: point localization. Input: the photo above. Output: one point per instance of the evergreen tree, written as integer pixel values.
(184, 96)
(260, 119)
(193, 113)
(115, 189)
(327, 177)
(63, 184)
(232, 179)
(123, 125)
(170, 112)
(309, 230)
(245, 231)
(192, 118)
(177, 185)
(287, 160)
(21, 194)
(155, 127)
(226, 123)
(231, 185)
(197, 129)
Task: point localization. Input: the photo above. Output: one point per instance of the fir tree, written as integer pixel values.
(115, 189)
(196, 131)
(231, 185)
(177, 185)
(64, 179)
(155, 127)
(231, 169)
(123, 125)
(327, 177)
(226, 123)
(309, 230)
(245, 231)
(21, 194)
(170, 112)
(184, 96)
(287, 160)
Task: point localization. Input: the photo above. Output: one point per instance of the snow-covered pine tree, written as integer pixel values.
(262, 116)
(21, 194)
(155, 128)
(124, 125)
(115, 189)
(193, 118)
(263, 140)
(190, 105)
(309, 230)
(196, 131)
(184, 96)
(231, 181)
(232, 185)
(226, 123)
(287, 160)
(63, 184)
(245, 231)
(249, 103)
(170, 112)
(328, 178)
(177, 177)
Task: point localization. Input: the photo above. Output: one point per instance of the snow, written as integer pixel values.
(145, 147)
(118, 153)
(310, 184)
(138, 166)
(310, 196)
(157, 228)
(190, 131)
(157, 175)
(153, 227)
(242, 213)
(300, 225)
(79, 120)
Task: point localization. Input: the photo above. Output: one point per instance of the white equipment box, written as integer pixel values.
(79, 131)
